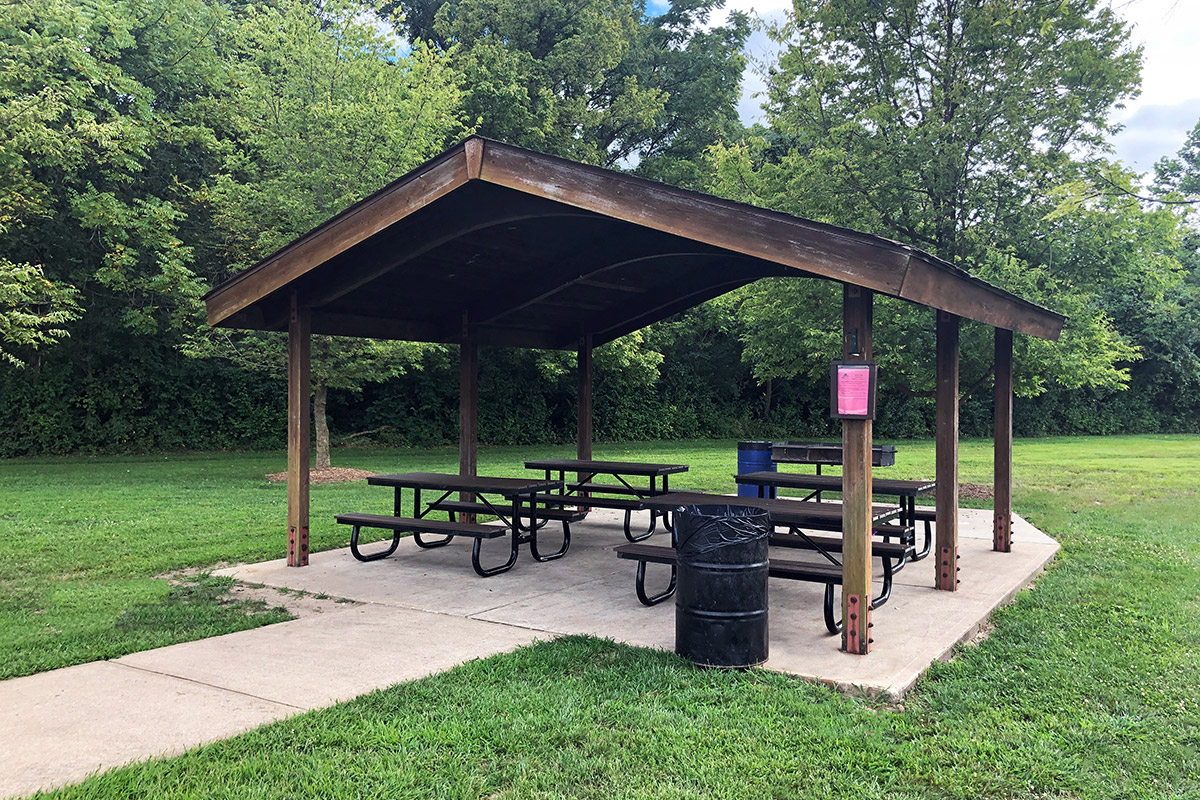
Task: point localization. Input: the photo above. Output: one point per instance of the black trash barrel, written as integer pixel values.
(753, 457)
(721, 599)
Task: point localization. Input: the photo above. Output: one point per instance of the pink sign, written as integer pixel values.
(853, 390)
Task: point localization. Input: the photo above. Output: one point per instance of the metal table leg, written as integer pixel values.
(419, 514)
(533, 531)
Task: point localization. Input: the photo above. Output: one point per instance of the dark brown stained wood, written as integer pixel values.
(572, 306)
(299, 414)
(576, 295)
(1002, 471)
(425, 235)
(647, 316)
(376, 327)
(857, 345)
(544, 339)
(468, 408)
(583, 438)
(814, 248)
(638, 312)
(583, 434)
(833, 483)
(617, 287)
(248, 319)
(446, 482)
(933, 286)
(466, 227)
(803, 515)
(946, 459)
(473, 148)
(370, 216)
(822, 250)
(522, 297)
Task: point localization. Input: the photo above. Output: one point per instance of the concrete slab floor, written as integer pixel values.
(590, 591)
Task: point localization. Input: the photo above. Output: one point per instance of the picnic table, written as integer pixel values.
(516, 509)
(905, 491)
(798, 518)
(626, 494)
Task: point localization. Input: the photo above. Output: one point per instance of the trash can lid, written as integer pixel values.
(702, 529)
(755, 445)
(721, 510)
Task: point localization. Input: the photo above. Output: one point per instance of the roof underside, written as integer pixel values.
(535, 251)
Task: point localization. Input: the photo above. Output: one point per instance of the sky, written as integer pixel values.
(1156, 123)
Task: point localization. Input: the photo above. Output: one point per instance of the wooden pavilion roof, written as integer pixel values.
(537, 251)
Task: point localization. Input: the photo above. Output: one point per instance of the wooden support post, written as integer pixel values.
(1002, 471)
(298, 433)
(946, 547)
(583, 433)
(856, 484)
(468, 407)
(583, 437)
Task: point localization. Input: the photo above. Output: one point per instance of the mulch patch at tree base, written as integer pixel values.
(326, 475)
(976, 491)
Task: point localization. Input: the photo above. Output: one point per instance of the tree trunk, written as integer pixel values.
(322, 425)
(767, 400)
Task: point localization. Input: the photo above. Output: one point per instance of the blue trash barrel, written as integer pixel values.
(753, 457)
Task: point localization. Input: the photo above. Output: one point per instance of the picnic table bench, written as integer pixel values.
(520, 494)
(906, 491)
(622, 495)
(797, 517)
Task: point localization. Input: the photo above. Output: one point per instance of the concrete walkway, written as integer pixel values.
(59, 727)
(425, 611)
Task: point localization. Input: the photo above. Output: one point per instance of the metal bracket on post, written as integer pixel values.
(856, 627)
(1002, 539)
(948, 569)
(298, 543)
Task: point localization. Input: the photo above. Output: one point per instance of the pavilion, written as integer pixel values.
(490, 244)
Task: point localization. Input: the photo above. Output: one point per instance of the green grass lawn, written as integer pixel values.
(1087, 687)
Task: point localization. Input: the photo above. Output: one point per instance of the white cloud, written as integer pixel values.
(1158, 121)
(1155, 131)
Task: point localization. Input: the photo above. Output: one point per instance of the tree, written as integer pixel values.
(32, 310)
(597, 80)
(328, 110)
(91, 95)
(1181, 174)
(1177, 181)
(939, 121)
(947, 125)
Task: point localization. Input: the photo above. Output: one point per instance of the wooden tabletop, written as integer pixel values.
(607, 467)
(794, 480)
(482, 484)
(800, 513)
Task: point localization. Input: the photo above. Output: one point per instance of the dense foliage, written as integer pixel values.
(151, 148)
(328, 110)
(598, 81)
